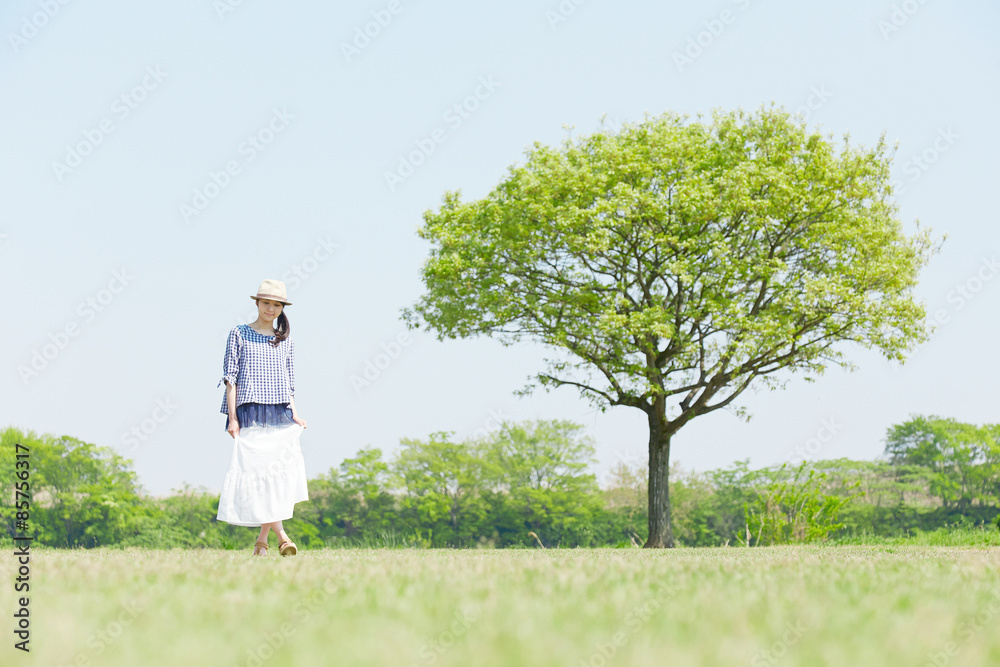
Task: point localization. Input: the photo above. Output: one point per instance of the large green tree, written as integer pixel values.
(442, 482)
(963, 459)
(540, 469)
(675, 262)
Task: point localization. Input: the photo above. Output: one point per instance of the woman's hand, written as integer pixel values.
(295, 413)
(234, 427)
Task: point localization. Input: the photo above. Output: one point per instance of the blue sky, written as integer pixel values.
(159, 161)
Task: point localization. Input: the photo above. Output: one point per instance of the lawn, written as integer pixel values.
(847, 605)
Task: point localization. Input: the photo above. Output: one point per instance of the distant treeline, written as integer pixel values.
(522, 485)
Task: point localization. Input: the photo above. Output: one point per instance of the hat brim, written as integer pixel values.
(272, 298)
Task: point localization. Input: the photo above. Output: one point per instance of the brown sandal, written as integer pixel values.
(260, 549)
(287, 548)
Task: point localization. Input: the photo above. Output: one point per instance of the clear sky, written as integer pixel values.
(160, 159)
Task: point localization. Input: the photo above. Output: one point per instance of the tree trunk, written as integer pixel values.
(661, 535)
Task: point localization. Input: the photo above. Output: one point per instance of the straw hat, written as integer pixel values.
(273, 290)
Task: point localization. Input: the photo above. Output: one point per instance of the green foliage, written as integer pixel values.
(675, 262)
(694, 505)
(522, 477)
(442, 480)
(673, 248)
(947, 535)
(493, 491)
(791, 509)
(539, 471)
(353, 501)
(962, 460)
(734, 487)
(82, 494)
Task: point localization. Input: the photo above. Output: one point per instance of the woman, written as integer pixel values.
(266, 475)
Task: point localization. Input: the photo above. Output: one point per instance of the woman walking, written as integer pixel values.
(266, 475)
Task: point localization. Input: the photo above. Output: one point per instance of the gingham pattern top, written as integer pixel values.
(261, 372)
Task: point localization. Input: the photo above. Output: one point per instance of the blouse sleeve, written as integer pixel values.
(231, 360)
(290, 364)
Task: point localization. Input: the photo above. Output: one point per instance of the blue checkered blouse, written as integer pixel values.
(261, 372)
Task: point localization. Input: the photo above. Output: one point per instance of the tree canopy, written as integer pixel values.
(962, 459)
(673, 263)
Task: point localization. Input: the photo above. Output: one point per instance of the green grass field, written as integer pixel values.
(848, 605)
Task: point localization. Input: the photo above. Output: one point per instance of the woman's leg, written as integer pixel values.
(264, 529)
(280, 530)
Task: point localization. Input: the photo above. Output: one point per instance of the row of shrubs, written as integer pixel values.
(524, 486)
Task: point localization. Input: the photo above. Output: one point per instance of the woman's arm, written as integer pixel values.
(290, 370)
(230, 375)
(234, 425)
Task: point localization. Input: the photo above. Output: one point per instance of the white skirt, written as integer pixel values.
(266, 476)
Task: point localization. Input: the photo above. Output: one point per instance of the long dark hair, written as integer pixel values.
(283, 330)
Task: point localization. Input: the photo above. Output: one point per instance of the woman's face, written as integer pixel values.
(268, 309)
